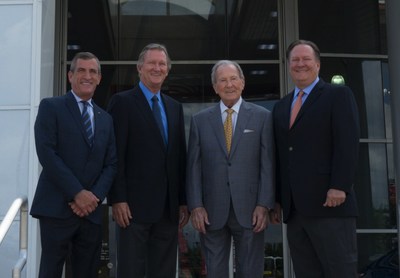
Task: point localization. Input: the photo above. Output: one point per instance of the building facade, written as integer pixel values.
(358, 42)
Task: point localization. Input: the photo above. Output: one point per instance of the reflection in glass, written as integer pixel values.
(373, 246)
(191, 83)
(372, 100)
(374, 190)
(191, 29)
(367, 34)
(191, 261)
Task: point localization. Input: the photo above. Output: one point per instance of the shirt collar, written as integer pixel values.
(78, 99)
(147, 93)
(307, 90)
(235, 107)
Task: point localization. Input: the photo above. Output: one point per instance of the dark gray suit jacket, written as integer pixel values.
(69, 163)
(246, 176)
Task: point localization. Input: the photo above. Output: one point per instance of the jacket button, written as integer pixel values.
(290, 149)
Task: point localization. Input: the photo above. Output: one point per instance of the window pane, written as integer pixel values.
(191, 82)
(191, 261)
(253, 30)
(375, 191)
(378, 247)
(15, 50)
(189, 29)
(366, 78)
(327, 23)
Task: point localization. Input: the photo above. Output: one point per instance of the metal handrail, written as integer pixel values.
(19, 204)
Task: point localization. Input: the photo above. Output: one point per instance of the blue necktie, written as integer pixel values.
(87, 123)
(157, 117)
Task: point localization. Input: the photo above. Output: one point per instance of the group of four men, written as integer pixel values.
(243, 163)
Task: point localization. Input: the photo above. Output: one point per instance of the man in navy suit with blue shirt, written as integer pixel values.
(75, 145)
(148, 196)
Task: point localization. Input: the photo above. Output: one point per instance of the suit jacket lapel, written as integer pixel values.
(72, 106)
(313, 96)
(218, 127)
(241, 122)
(145, 110)
(98, 118)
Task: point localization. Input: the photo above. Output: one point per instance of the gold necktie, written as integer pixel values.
(296, 108)
(228, 129)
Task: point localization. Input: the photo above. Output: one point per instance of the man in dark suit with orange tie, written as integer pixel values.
(75, 145)
(317, 136)
(148, 196)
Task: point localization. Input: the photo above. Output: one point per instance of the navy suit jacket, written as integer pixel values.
(319, 152)
(69, 163)
(150, 176)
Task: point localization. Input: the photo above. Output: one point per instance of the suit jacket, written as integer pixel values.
(246, 176)
(150, 176)
(318, 152)
(69, 163)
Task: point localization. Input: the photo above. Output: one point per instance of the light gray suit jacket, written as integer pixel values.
(246, 176)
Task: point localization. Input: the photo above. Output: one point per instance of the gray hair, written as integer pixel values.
(225, 63)
(84, 56)
(154, 46)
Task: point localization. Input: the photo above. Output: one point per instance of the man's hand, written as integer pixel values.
(85, 202)
(121, 214)
(275, 214)
(260, 219)
(183, 216)
(334, 198)
(76, 209)
(200, 219)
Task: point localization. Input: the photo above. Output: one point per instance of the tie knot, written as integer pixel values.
(229, 111)
(85, 103)
(154, 98)
(301, 93)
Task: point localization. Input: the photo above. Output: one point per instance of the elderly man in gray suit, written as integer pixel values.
(230, 176)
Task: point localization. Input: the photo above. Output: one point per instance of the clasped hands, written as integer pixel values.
(84, 203)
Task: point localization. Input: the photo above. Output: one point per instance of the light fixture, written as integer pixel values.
(266, 46)
(73, 47)
(337, 79)
(258, 72)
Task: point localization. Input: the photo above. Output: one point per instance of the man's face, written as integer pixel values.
(85, 78)
(229, 85)
(154, 69)
(304, 66)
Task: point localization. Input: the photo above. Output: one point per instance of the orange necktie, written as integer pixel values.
(296, 108)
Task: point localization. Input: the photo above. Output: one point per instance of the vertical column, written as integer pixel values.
(393, 21)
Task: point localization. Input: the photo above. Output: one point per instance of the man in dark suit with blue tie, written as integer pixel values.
(317, 153)
(148, 196)
(75, 145)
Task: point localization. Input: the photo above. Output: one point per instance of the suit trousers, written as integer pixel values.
(248, 250)
(147, 250)
(75, 237)
(323, 247)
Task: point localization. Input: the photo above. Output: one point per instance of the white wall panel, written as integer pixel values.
(15, 54)
(14, 150)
